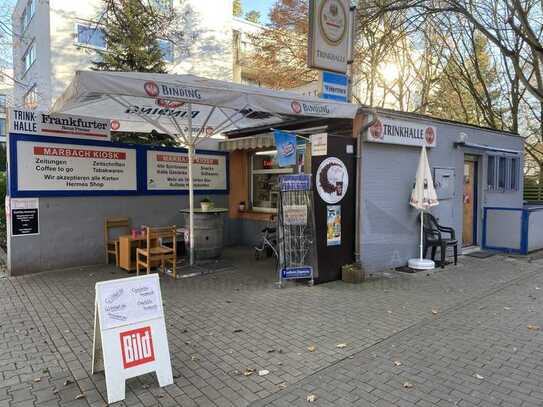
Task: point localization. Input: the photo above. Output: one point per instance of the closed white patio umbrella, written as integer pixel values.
(423, 197)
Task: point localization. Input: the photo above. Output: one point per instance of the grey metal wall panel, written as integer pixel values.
(503, 228)
(535, 230)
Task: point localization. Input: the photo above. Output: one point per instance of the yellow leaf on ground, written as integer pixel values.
(311, 398)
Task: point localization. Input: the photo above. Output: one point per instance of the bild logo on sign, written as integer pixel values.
(137, 347)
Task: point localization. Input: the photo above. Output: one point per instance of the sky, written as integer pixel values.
(259, 5)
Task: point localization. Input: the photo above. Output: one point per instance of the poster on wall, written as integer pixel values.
(169, 171)
(24, 214)
(333, 225)
(319, 144)
(43, 166)
(332, 180)
(58, 125)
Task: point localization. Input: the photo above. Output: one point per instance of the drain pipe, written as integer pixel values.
(358, 195)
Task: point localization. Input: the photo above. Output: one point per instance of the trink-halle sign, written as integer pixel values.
(330, 25)
(392, 131)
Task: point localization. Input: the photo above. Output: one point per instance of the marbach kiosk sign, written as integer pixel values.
(130, 333)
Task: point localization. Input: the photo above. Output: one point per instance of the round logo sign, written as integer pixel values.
(115, 125)
(333, 21)
(296, 106)
(430, 136)
(332, 180)
(151, 88)
(376, 130)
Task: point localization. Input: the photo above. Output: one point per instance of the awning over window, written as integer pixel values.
(248, 143)
(485, 147)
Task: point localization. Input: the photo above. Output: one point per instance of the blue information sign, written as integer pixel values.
(334, 86)
(292, 273)
(298, 182)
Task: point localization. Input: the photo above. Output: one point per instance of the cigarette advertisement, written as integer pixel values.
(333, 225)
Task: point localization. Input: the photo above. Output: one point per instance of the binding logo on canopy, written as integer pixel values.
(310, 109)
(153, 90)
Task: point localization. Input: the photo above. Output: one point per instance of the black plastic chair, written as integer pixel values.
(433, 238)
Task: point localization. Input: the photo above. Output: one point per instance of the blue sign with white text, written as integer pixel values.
(334, 86)
(286, 148)
(298, 182)
(292, 273)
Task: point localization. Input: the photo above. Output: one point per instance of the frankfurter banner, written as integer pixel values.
(168, 171)
(59, 125)
(50, 166)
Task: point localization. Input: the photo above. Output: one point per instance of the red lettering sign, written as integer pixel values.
(137, 347)
(184, 159)
(80, 153)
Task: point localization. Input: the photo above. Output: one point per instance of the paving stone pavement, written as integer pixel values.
(220, 324)
(485, 352)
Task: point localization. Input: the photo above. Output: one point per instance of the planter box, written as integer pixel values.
(353, 273)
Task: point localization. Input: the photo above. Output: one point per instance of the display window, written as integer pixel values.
(265, 172)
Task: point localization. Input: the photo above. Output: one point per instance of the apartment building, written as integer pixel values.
(54, 38)
(6, 95)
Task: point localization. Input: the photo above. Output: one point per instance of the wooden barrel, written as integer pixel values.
(208, 234)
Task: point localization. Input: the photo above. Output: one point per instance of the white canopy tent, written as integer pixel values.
(186, 107)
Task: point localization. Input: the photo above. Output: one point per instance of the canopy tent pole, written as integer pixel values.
(191, 188)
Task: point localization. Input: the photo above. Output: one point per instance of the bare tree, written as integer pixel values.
(505, 23)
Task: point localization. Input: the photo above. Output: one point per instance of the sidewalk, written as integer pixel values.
(221, 324)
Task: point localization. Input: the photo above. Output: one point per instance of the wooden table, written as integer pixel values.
(127, 251)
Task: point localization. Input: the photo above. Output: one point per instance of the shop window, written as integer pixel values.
(29, 57)
(491, 173)
(2, 127)
(514, 174)
(265, 177)
(502, 173)
(90, 36)
(28, 13)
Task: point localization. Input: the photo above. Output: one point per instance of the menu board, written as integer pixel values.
(74, 167)
(127, 301)
(169, 171)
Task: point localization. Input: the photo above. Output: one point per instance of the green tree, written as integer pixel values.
(237, 9)
(132, 29)
(253, 16)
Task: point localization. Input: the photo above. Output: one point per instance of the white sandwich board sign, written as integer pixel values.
(130, 333)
